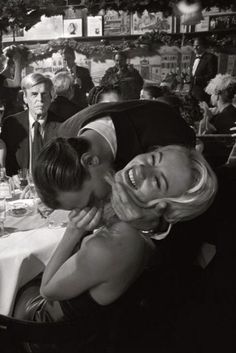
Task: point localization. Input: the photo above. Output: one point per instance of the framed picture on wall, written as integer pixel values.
(225, 21)
(149, 21)
(116, 23)
(73, 27)
(94, 26)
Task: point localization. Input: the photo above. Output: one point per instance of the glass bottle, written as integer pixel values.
(5, 185)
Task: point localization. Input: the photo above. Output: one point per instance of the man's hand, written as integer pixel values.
(128, 210)
(87, 219)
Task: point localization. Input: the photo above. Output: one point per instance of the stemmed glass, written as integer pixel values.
(31, 185)
(22, 175)
(3, 212)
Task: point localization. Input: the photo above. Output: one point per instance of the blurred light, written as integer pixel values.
(185, 7)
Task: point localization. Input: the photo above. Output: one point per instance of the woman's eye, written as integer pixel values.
(157, 181)
(153, 159)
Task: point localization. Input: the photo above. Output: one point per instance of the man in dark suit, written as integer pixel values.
(203, 69)
(137, 126)
(18, 131)
(82, 80)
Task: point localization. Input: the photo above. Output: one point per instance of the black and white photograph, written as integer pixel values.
(72, 27)
(117, 176)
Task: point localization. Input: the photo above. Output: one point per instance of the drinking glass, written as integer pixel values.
(53, 222)
(30, 181)
(3, 212)
(22, 175)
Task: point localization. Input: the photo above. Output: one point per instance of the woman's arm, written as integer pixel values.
(61, 272)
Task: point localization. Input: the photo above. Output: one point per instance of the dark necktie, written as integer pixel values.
(37, 142)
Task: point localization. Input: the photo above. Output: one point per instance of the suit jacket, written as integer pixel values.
(80, 97)
(130, 82)
(139, 125)
(206, 70)
(15, 134)
(63, 108)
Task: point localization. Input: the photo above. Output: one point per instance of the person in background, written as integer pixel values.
(204, 68)
(105, 94)
(10, 79)
(21, 131)
(125, 76)
(2, 110)
(174, 101)
(222, 117)
(62, 106)
(150, 92)
(82, 80)
(102, 267)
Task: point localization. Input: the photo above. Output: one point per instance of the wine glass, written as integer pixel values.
(3, 211)
(31, 185)
(53, 221)
(22, 175)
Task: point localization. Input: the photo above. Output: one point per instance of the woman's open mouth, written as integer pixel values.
(130, 178)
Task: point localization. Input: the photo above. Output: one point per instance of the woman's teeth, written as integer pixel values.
(131, 178)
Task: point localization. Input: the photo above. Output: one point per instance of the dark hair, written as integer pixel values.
(58, 167)
(171, 99)
(95, 94)
(121, 54)
(154, 91)
(68, 50)
(202, 41)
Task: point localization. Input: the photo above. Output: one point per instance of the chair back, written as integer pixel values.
(21, 336)
(217, 148)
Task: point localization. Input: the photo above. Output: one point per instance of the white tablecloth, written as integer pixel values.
(23, 254)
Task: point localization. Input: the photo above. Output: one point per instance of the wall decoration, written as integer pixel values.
(203, 25)
(226, 21)
(94, 26)
(47, 28)
(117, 23)
(147, 22)
(73, 27)
(13, 34)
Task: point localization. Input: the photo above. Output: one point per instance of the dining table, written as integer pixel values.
(26, 248)
(29, 242)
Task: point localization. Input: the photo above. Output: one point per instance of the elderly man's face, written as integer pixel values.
(38, 98)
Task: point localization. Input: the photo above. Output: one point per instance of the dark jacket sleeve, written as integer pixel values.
(208, 72)
(84, 74)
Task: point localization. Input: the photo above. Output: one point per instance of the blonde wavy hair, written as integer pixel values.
(198, 197)
(222, 83)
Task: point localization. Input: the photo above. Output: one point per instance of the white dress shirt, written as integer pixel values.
(195, 64)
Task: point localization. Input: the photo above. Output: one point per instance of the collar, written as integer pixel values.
(32, 120)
